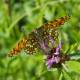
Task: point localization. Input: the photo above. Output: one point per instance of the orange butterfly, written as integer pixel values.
(42, 38)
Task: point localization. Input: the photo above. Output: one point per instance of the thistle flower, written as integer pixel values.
(54, 58)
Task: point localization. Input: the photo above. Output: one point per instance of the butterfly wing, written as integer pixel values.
(43, 38)
(47, 34)
(32, 43)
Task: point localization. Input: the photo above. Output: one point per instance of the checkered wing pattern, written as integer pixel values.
(42, 38)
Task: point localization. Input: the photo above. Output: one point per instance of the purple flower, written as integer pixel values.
(44, 47)
(52, 54)
(54, 58)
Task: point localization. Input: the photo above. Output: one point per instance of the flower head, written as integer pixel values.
(54, 58)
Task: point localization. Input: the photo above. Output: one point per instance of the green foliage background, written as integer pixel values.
(30, 14)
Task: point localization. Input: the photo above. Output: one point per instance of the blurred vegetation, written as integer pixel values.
(18, 18)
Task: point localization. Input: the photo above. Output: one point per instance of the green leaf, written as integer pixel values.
(74, 66)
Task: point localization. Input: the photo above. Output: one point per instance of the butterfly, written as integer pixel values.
(43, 38)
